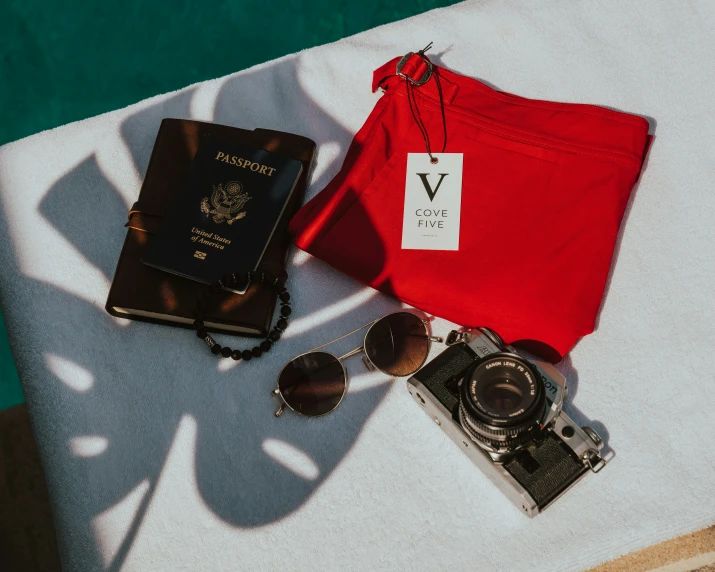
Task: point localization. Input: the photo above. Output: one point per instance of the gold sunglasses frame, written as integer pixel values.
(277, 391)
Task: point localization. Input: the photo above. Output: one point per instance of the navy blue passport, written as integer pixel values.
(221, 222)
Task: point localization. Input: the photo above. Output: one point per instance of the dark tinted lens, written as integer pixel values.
(397, 344)
(503, 394)
(313, 384)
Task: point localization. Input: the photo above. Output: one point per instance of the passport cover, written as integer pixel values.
(141, 292)
(221, 222)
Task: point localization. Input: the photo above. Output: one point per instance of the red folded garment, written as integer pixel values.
(544, 189)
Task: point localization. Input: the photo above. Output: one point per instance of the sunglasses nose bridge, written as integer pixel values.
(351, 353)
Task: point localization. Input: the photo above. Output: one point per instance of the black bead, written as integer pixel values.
(201, 333)
(282, 324)
(256, 352)
(266, 345)
(247, 355)
(284, 296)
(226, 280)
(216, 349)
(215, 287)
(274, 335)
(236, 355)
(226, 351)
(198, 324)
(285, 311)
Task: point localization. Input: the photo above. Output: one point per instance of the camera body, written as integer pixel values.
(505, 413)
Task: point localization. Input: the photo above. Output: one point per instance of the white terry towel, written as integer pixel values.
(160, 457)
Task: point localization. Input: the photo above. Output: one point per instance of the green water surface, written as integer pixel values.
(64, 61)
(10, 389)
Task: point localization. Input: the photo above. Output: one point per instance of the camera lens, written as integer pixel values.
(502, 401)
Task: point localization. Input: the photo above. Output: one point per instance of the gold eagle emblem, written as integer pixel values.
(226, 203)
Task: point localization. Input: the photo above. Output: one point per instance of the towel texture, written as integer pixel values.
(161, 457)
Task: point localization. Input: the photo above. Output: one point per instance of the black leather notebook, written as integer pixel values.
(141, 292)
(223, 219)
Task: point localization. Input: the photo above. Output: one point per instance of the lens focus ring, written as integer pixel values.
(498, 438)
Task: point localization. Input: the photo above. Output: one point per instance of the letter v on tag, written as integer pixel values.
(428, 188)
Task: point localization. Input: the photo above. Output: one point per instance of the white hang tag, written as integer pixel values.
(433, 202)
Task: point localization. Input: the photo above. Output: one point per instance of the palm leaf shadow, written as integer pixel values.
(147, 377)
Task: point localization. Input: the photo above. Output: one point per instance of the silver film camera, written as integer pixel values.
(505, 413)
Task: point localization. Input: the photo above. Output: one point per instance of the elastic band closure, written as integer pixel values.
(145, 216)
(146, 208)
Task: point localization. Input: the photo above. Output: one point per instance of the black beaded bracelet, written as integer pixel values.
(232, 280)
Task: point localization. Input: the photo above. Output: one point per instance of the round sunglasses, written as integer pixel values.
(315, 383)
